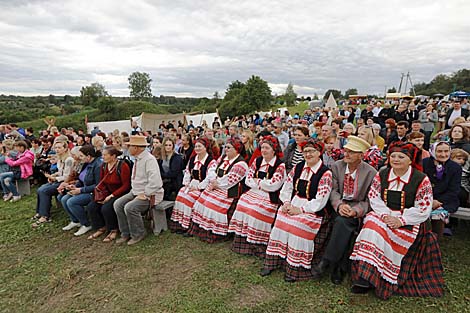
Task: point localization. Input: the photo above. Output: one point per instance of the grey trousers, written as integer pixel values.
(129, 211)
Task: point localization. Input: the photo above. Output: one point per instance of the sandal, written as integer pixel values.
(36, 217)
(111, 236)
(41, 221)
(97, 234)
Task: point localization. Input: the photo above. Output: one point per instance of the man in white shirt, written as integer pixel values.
(281, 135)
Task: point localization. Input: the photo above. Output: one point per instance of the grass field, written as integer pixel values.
(48, 270)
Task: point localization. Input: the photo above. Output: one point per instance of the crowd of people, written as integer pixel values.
(366, 192)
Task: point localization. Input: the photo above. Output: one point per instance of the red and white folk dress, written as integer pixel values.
(294, 239)
(194, 181)
(213, 209)
(407, 260)
(256, 210)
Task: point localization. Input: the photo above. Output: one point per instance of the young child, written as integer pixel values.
(331, 154)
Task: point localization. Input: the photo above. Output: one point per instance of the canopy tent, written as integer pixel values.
(151, 121)
(199, 118)
(331, 102)
(110, 126)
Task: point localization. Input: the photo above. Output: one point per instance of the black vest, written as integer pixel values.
(237, 190)
(308, 189)
(200, 174)
(274, 195)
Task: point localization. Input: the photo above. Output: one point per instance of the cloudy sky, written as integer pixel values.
(194, 48)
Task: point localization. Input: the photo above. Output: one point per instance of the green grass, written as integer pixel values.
(48, 270)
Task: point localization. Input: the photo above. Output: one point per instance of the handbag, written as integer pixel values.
(101, 191)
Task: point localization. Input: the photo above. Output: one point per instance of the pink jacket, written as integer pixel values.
(25, 162)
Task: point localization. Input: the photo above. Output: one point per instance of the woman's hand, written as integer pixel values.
(436, 204)
(74, 190)
(108, 198)
(293, 210)
(392, 222)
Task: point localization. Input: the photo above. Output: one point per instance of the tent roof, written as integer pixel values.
(331, 102)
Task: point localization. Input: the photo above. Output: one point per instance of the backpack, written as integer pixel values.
(127, 160)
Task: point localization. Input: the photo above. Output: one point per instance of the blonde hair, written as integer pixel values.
(67, 150)
(459, 120)
(370, 137)
(459, 153)
(164, 155)
(249, 145)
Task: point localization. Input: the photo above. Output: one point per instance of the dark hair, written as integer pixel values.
(404, 123)
(302, 129)
(21, 143)
(337, 121)
(36, 140)
(30, 129)
(112, 150)
(89, 150)
(415, 122)
(464, 132)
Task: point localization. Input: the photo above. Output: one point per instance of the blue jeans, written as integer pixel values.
(44, 199)
(8, 182)
(75, 207)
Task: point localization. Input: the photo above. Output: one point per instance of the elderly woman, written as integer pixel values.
(214, 208)
(171, 169)
(257, 208)
(396, 252)
(445, 176)
(293, 153)
(116, 179)
(194, 182)
(302, 224)
(373, 155)
(21, 167)
(80, 194)
(47, 191)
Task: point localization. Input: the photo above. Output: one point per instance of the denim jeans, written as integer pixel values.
(8, 183)
(75, 207)
(44, 199)
(129, 211)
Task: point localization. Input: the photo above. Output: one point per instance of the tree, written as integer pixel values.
(90, 94)
(350, 92)
(315, 96)
(290, 95)
(140, 85)
(258, 94)
(392, 90)
(107, 105)
(52, 99)
(336, 93)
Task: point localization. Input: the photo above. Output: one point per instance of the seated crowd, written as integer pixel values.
(330, 191)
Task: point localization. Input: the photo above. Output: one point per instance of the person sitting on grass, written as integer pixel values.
(21, 167)
(46, 191)
(80, 194)
(147, 190)
(116, 179)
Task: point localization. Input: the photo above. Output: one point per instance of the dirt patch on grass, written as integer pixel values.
(252, 296)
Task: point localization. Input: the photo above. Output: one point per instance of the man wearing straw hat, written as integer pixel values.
(147, 190)
(352, 178)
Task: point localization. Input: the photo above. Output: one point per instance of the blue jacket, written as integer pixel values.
(92, 176)
(447, 189)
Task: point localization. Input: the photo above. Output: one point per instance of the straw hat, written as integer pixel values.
(357, 144)
(138, 141)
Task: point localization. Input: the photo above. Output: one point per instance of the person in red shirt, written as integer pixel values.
(116, 178)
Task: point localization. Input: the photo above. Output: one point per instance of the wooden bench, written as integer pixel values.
(159, 216)
(24, 187)
(462, 213)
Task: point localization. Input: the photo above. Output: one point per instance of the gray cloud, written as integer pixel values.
(199, 47)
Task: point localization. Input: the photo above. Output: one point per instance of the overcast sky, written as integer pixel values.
(194, 48)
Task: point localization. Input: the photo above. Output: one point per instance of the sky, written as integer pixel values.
(195, 48)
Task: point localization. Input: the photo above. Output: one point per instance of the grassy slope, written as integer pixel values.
(48, 270)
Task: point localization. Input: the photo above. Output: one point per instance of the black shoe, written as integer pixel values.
(359, 290)
(187, 234)
(289, 279)
(337, 276)
(265, 272)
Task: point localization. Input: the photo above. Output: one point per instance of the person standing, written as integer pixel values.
(147, 190)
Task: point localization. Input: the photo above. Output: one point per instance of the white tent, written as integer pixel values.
(109, 126)
(198, 118)
(331, 102)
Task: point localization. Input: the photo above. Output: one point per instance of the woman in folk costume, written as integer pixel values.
(257, 208)
(396, 252)
(194, 182)
(214, 208)
(302, 224)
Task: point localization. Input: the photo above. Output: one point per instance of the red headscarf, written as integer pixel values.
(317, 144)
(205, 142)
(237, 144)
(408, 149)
(274, 143)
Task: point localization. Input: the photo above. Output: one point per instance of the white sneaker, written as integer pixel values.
(15, 198)
(71, 225)
(7, 197)
(82, 230)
